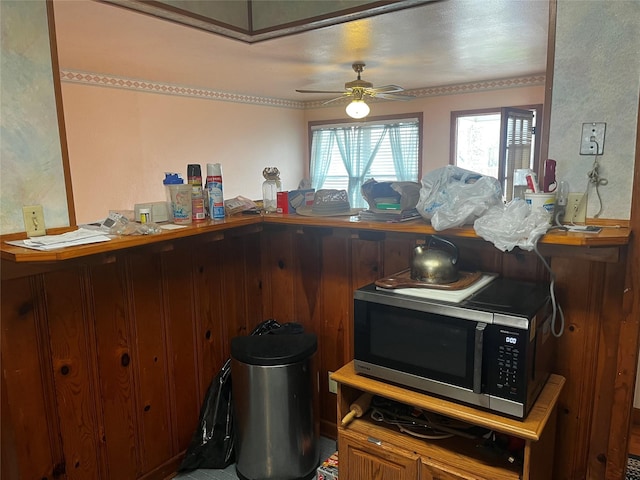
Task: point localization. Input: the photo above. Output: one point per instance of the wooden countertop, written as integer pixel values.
(608, 237)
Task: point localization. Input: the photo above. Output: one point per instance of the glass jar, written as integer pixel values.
(270, 188)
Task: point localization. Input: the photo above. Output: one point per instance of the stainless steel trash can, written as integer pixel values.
(275, 406)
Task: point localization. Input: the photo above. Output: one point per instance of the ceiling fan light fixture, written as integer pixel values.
(358, 109)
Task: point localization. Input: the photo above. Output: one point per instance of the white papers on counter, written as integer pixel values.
(82, 236)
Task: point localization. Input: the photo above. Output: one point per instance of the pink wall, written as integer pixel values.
(122, 141)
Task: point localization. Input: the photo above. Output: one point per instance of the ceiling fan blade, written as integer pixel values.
(393, 96)
(320, 91)
(388, 89)
(337, 98)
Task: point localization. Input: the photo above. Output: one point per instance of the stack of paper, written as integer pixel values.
(82, 236)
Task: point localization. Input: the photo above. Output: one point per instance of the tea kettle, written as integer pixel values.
(435, 265)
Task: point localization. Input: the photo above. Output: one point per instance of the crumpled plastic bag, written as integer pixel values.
(515, 224)
(452, 196)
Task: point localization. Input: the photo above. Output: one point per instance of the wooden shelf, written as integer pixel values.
(452, 458)
(530, 428)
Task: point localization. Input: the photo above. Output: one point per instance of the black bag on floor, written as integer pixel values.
(212, 444)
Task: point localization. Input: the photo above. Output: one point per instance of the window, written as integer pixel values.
(345, 155)
(495, 142)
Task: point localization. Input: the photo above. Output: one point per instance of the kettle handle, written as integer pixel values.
(446, 242)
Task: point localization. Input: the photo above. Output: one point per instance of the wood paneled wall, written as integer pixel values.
(106, 359)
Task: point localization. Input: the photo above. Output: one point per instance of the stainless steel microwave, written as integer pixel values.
(491, 350)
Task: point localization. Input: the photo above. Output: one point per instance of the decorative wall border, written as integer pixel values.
(112, 81)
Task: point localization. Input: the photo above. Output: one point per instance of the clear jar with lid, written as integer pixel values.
(270, 188)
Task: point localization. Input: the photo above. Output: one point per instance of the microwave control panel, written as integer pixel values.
(505, 374)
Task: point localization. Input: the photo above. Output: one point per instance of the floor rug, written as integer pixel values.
(633, 468)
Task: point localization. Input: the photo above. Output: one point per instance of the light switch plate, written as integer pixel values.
(33, 220)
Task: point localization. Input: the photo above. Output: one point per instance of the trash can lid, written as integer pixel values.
(272, 350)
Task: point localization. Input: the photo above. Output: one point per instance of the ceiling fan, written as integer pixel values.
(359, 89)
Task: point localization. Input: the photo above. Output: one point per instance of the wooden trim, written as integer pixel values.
(209, 24)
(548, 86)
(629, 340)
(537, 108)
(635, 416)
(64, 149)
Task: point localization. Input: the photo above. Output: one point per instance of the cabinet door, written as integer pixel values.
(431, 470)
(366, 458)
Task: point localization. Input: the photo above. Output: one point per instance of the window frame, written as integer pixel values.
(369, 120)
(537, 108)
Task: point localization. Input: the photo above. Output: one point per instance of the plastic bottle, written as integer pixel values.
(178, 198)
(194, 177)
(214, 188)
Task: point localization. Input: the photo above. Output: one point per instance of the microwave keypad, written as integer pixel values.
(508, 357)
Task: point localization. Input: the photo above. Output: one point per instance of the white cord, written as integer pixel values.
(556, 311)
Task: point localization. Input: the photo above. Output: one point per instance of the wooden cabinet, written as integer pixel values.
(366, 457)
(375, 450)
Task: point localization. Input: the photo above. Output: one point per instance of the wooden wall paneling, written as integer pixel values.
(307, 282)
(366, 262)
(31, 438)
(211, 334)
(579, 292)
(149, 361)
(523, 265)
(73, 356)
(114, 361)
(606, 370)
(624, 386)
(253, 276)
(478, 255)
(336, 299)
(9, 468)
(178, 292)
(397, 253)
(308, 304)
(624, 375)
(281, 265)
(234, 295)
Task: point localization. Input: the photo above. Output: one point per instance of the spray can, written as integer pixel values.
(214, 187)
(194, 177)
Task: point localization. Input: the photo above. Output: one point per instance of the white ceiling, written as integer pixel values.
(441, 43)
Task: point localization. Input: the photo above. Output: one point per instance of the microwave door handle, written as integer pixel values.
(477, 358)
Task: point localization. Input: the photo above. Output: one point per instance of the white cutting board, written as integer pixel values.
(453, 296)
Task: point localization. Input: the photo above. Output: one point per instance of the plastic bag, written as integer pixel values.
(213, 443)
(515, 224)
(452, 196)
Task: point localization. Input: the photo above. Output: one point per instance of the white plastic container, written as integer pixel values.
(547, 201)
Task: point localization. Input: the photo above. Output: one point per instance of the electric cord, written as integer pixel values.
(556, 310)
(559, 214)
(403, 425)
(595, 179)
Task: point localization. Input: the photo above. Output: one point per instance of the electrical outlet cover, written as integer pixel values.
(576, 208)
(592, 141)
(33, 220)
